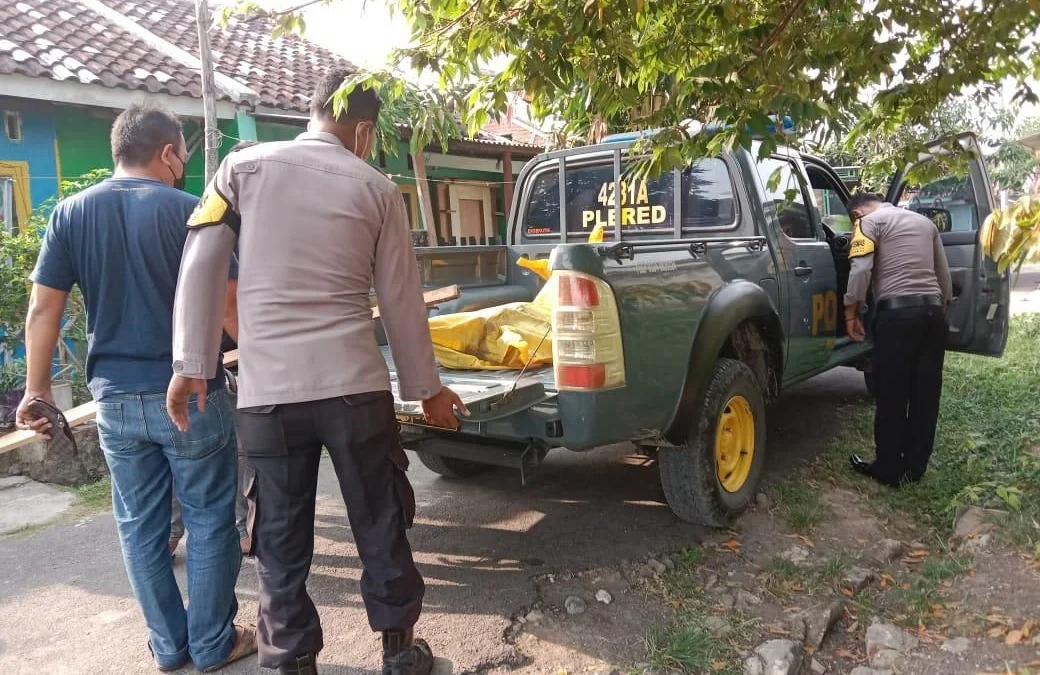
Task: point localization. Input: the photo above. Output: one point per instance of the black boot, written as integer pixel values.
(302, 665)
(404, 655)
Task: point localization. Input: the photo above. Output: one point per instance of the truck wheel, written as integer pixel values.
(450, 467)
(714, 477)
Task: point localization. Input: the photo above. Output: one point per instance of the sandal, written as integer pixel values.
(245, 644)
(61, 439)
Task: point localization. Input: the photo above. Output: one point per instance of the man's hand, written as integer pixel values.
(26, 421)
(439, 409)
(177, 395)
(854, 327)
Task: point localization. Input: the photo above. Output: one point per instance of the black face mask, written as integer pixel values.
(179, 182)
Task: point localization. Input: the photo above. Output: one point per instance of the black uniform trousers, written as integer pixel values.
(909, 350)
(283, 446)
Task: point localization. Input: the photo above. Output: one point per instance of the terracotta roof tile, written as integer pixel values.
(64, 40)
(283, 71)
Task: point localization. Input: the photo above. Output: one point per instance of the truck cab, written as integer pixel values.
(716, 285)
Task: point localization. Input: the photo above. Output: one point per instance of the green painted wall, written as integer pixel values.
(275, 131)
(83, 140)
(83, 143)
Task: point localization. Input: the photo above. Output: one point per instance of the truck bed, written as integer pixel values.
(473, 385)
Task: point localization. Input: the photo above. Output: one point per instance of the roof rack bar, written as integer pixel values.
(677, 201)
(617, 195)
(563, 199)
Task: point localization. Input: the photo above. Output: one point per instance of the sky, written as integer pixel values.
(362, 31)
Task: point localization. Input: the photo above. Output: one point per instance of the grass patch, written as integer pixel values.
(986, 443)
(26, 530)
(691, 556)
(917, 597)
(95, 496)
(784, 579)
(691, 649)
(799, 504)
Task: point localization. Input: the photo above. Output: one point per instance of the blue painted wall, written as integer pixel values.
(36, 148)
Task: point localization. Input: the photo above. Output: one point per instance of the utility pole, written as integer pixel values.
(209, 91)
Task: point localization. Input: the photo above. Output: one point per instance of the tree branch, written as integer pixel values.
(778, 30)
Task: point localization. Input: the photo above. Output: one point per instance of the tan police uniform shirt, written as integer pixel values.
(902, 252)
(316, 229)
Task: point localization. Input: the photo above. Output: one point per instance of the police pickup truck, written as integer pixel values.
(714, 289)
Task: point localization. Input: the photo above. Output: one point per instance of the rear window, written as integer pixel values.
(647, 206)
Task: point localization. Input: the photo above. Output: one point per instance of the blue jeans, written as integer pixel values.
(147, 456)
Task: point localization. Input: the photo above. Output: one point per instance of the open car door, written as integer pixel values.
(958, 205)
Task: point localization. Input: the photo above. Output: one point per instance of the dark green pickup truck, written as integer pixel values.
(711, 293)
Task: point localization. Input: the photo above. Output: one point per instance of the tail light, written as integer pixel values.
(587, 350)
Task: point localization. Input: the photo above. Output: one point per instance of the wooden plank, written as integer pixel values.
(75, 416)
(422, 186)
(431, 298)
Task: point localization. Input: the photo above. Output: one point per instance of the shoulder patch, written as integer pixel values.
(861, 244)
(214, 209)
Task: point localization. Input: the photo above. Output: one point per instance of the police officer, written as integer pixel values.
(317, 227)
(902, 253)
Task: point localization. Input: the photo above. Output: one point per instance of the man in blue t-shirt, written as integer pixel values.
(121, 242)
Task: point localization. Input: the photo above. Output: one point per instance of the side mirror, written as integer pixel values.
(941, 217)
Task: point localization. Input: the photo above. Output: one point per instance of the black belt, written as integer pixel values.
(907, 301)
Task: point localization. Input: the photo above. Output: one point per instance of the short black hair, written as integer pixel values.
(140, 131)
(362, 104)
(862, 199)
(242, 145)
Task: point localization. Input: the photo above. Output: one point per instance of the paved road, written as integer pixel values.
(66, 608)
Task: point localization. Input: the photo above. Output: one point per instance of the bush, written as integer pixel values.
(18, 253)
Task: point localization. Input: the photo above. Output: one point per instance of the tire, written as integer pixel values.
(450, 467)
(694, 486)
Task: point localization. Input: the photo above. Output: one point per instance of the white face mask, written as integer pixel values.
(363, 141)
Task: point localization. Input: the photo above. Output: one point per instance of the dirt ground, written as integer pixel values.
(742, 578)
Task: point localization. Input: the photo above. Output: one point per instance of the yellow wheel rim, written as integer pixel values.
(735, 444)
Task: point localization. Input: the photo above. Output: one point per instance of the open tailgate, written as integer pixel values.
(488, 394)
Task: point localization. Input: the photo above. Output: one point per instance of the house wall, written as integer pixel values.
(401, 172)
(33, 155)
(83, 140)
(84, 143)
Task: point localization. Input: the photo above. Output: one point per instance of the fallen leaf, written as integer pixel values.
(1027, 628)
(807, 541)
(719, 665)
(919, 553)
(1013, 638)
(675, 604)
(996, 632)
(905, 586)
(732, 545)
(846, 592)
(845, 654)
